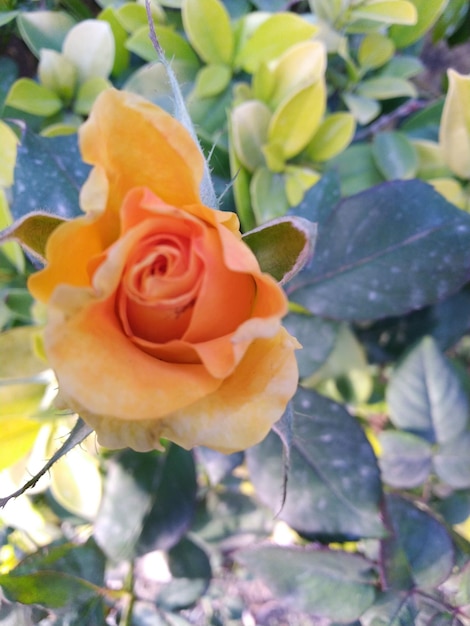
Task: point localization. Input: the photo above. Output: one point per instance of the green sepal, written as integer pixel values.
(283, 246)
(32, 232)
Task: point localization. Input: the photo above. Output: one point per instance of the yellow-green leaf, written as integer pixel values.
(387, 11)
(454, 132)
(375, 50)
(207, 25)
(17, 435)
(26, 95)
(8, 149)
(295, 121)
(452, 191)
(10, 249)
(211, 80)
(57, 73)
(298, 181)
(132, 16)
(250, 122)
(88, 92)
(386, 87)
(22, 362)
(302, 65)
(334, 134)
(121, 55)
(431, 162)
(428, 12)
(275, 35)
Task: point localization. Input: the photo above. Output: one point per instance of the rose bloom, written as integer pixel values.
(160, 321)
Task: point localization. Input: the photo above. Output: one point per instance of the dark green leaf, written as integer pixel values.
(356, 169)
(387, 251)
(406, 460)
(414, 529)
(452, 461)
(333, 488)
(217, 465)
(173, 502)
(191, 571)
(283, 246)
(425, 395)
(48, 176)
(392, 609)
(8, 75)
(320, 199)
(317, 336)
(328, 583)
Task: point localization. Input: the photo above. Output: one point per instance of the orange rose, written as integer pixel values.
(160, 321)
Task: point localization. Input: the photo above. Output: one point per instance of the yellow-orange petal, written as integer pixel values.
(68, 251)
(138, 144)
(101, 371)
(236, 416)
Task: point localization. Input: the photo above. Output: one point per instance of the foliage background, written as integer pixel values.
(328, 111)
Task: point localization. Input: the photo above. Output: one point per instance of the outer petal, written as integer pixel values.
(138, 144)
(236, 416)
(100, 371)
(69, 249)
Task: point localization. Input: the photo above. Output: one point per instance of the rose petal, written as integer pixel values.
(139, 145)
(101, 371)
(238, 415)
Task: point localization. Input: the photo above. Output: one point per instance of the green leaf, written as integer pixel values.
(363, 109)
(403, 66)
(386, 87)
(49, 175)
(57, 73)
(211, 80)
(297, 118)
(275, 35)
(332, 137)
(207, 25)
(249, 125)
(51, 589)
(424, 391)
(174, 45)
(30, 97)
(406, 460)
(320, 199)
(8, 75)
(395, 155)
(428, 12)
(333, 488)
(412, 529)
(452, 461)
(87, 93)
(283, 246)
(44, 29)
(148, 502)
(7, 16)
(329, 583)
(317, 336)
(268, 196)
(387, 11)
(90, 47)
(375, 50)
(416, 257)
(392, 609)
(32, 232)
(191, 571)
(121, 56)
